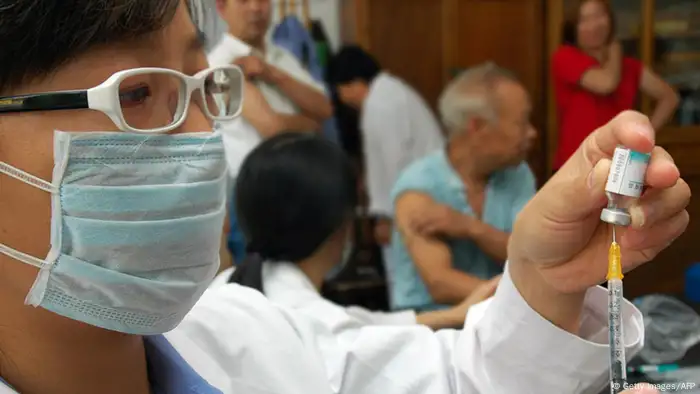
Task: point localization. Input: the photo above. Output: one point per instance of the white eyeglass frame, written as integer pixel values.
(105, 98)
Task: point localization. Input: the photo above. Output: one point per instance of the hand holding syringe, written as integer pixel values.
(625, 182)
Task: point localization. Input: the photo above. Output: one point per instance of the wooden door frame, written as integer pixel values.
(555, 18)
(362, 31)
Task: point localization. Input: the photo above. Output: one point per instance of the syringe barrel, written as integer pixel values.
(618, 363)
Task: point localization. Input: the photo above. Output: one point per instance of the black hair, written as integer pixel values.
(352, 63)
(293, 192)
(39, 36)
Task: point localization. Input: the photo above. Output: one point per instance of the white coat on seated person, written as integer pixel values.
(241, 342)
(286, 284)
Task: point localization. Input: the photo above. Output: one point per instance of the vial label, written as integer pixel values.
(627, 172)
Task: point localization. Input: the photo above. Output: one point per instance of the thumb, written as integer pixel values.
(575, 191)
(596, 180)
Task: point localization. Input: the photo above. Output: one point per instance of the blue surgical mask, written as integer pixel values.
(135, 228)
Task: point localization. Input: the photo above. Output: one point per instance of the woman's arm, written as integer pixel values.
(605, 79)
(454, 317)
(665, 96)
(574, 67)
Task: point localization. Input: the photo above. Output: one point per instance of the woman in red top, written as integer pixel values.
(594, 81)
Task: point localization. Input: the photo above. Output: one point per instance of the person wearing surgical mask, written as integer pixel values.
(112, 201)
(296, 200)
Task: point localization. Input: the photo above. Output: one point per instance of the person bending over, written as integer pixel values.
(396, 124)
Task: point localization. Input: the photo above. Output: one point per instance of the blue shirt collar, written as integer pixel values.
(168, 372)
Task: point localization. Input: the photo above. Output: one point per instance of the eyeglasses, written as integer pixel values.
(146, 100)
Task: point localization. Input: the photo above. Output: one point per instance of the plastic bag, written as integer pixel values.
(684, 380)
(671, 328)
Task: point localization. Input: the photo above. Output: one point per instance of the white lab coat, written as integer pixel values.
(286, 285)
(242, 343)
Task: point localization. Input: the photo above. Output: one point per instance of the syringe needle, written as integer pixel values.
(614, 240)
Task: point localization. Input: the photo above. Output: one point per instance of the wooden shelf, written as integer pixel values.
(679, 135)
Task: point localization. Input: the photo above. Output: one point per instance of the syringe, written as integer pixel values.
(618, 363)
(625, 183)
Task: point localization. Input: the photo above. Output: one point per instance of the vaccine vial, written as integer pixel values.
(625, 184)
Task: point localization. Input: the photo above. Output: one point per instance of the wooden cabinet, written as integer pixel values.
(675, 54)
(426, 41)
(665, 35)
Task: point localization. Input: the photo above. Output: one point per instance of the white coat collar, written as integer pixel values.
(286, 281)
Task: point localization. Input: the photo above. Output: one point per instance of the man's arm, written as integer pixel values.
(266, 121)
(311, 101)
(489, 239)
(431, 256)
(665, 96)
(440, 220)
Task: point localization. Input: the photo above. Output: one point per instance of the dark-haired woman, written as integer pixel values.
(295, 201)
(594, 81)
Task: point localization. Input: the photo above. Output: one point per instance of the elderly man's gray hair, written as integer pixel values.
(469, 95)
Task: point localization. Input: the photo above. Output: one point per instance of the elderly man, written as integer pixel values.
(455, 207)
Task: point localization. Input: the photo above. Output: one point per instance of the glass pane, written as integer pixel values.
(628, 19)
(628, 16)
(224, 92)
(152, 100)
(677, 54)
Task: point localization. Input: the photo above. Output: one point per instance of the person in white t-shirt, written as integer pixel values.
(286, 85)
(396, 123)
(297, 101)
